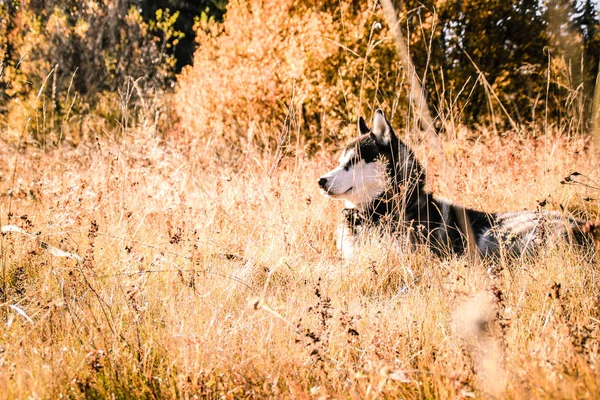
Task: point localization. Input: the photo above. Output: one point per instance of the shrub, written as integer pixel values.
(265, 59)
(65, 61)
(290, 63)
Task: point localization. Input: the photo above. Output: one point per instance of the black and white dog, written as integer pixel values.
(383, 185)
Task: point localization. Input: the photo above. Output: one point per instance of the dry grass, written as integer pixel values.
(214, 273)
(207, 278)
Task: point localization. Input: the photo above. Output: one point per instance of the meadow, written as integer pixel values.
(163, 234)
(145, 269)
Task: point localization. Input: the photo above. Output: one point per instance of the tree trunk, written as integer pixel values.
(417, 95)
(596, 113)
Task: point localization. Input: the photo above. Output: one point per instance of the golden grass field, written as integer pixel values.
(205, 277)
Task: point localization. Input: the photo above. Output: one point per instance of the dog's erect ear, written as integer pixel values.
(382, 130)
(362, 126)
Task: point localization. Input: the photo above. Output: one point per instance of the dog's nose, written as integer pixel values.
(322, 182)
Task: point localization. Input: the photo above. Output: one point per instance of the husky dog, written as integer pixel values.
(383, 185)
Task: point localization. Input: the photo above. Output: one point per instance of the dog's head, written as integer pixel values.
(375, 162)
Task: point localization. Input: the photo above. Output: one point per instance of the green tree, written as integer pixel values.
(503, 39)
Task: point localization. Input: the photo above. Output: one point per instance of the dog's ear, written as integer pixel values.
(362, 126)
(382, 130)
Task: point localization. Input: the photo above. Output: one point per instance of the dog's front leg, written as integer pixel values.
(349, 231)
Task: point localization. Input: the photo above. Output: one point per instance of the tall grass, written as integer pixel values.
(222, 279)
